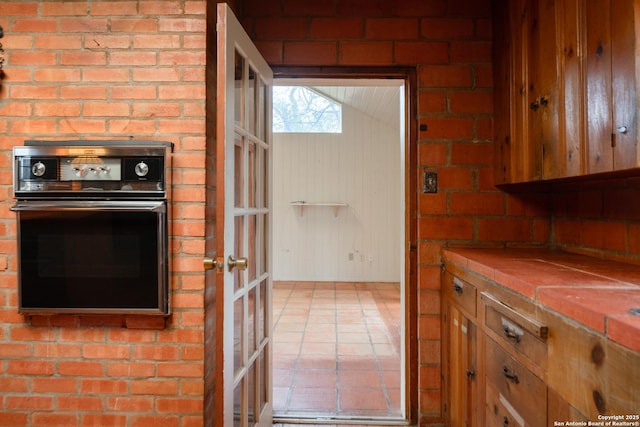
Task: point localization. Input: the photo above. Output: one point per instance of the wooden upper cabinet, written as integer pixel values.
(624, 48)
(565, 88)
(518, 153)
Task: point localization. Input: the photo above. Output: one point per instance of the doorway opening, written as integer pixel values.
(339, 261)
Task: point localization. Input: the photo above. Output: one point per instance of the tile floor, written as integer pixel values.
(336, 350)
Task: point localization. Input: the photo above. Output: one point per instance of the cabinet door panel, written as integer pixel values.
(547, 71)
(623, 81)
(502, 62)
(519, 386)
(533, 83)
(462, 389)
(526, 150)
(598, 102)
(572, 130)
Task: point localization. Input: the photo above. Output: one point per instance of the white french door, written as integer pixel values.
(243, 219)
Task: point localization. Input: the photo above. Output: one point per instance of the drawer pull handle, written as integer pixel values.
(511, 334)
(512, 377)
(471, 373)
(457, 288)
(505, 423)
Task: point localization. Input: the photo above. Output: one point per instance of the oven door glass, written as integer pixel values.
(92, 257)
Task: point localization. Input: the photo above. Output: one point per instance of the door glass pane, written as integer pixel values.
(265, 179)
(252, 247)
(238, 275)
(262, 381)
(239, 89)
(252, 175)
(260, 175)
(262, 321)
(251, 322)
(251, 398)
(237, 404)
(239, 172)
(238, 324)
(251, 101)
(260, 105)
(262, 242)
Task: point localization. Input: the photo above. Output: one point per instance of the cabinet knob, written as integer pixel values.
(471, 373)
(511, 334)
(509, 376)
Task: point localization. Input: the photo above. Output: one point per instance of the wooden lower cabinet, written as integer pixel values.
(460, 369)
(498, 358)
(518, 394)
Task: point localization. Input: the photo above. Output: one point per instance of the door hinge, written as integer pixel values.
(613, 140)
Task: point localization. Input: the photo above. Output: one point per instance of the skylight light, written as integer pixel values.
(299, 109)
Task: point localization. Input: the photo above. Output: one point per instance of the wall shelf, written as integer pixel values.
(301, 204)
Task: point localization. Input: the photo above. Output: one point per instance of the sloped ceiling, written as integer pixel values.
(379, 99)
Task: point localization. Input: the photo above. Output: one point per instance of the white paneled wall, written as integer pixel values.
(360, 167)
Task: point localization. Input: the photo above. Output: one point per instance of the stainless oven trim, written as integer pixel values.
(159, 207)
(90, 205)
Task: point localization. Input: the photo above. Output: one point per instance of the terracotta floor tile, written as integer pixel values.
(362, 399)
(286, 348)
(283, 377)
(324, 361)
(288, 327)
(319, 337)
(357, 328)
(356, 363)
(385, 350)
(280, 397)
(321, 329)
(391, 379)
(319, 348)
(288, 337)
(359, 379)
(286, 361)
(353, 337)
(313, 399)
(316, 362)
(391, 363)
(316, 378)
(355, 349)
(321, 320)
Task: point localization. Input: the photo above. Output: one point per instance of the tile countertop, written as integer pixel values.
(594, 292)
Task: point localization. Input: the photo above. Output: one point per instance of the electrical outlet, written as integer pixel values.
(430, 182)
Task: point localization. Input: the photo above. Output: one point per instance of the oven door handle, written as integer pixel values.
(89, 205)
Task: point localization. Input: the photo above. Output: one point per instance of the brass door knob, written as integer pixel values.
(240, 263)
(213, 263)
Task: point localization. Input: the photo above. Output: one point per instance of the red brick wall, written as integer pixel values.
(599, 218)
(106, 69)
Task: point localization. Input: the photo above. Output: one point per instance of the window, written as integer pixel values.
(304, 110)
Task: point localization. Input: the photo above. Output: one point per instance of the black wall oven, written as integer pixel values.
(92, 227)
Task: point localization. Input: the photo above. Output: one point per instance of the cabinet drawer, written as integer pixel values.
(462, 293)
(525, 335)
(519, 390)
(500, 412)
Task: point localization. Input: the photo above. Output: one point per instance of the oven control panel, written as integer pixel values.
(90, 169)
(116, 171)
